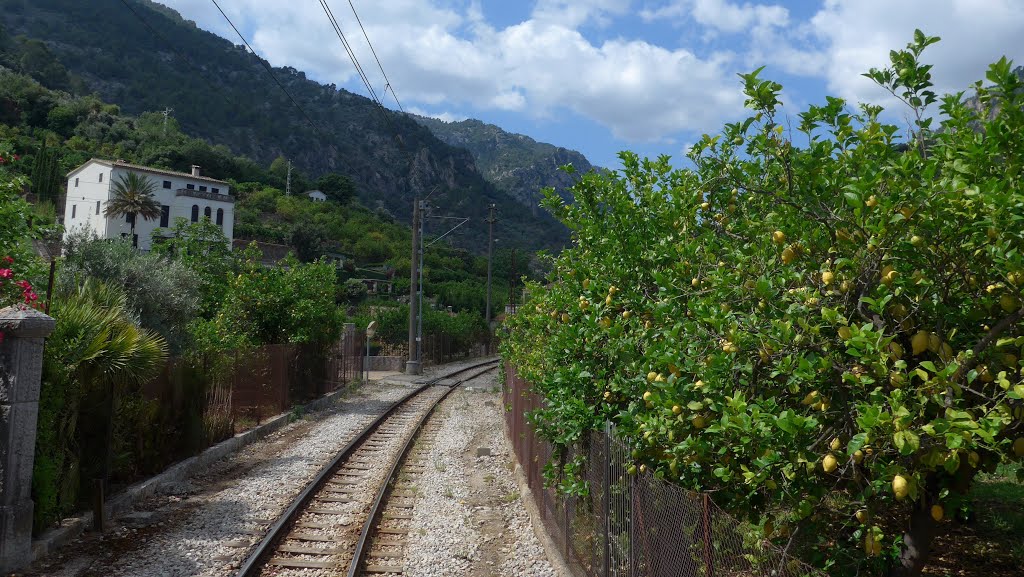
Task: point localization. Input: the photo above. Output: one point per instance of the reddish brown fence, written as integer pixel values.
(230, 393)
(635, 525)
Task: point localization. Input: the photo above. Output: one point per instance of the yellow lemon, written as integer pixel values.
(788, 256)
(676, 409)
(1018, 447)
(586, 283)
(827, 277)
(900, 486)
(919, 342)
(829, 463)
(863, 516)
(937, 512)
(871, 201)
(895, 351)
(835, 444)
(778, 237)
(651, 376)
(648, 395)
(565, 317)
(698, 422)
(858, 456)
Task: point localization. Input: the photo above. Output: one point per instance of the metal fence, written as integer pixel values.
(635, 525)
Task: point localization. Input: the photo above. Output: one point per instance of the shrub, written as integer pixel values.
(827, 337)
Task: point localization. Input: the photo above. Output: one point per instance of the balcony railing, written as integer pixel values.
(205, 195)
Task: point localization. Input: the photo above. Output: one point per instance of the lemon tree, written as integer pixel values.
(820, 321)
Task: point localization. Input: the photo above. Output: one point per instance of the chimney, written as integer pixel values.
(195, 170)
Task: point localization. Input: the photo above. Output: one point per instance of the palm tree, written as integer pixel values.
(133, 196)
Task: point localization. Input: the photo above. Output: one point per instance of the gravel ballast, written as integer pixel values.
(469, 518)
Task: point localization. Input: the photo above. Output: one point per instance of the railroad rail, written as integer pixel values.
(331, 521)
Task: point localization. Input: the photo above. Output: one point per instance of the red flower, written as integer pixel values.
(16, 158)
(23, 284)
(6, 273)
(7, 259)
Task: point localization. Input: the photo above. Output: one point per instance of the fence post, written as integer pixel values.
(606, 498)
(21, 367)
(708, 550)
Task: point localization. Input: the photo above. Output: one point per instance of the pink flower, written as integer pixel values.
(6, 273)
(23, 284)
(31, 296)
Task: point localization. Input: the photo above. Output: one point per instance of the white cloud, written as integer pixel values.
(858, 34)
(574, 13)
(438, 56)
(444, 55)
(443, 116)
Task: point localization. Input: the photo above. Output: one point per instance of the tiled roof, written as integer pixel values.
(120, 164)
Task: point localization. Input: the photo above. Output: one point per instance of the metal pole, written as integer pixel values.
(708, 550)
(412, 366)
(419, 309)
(606, 501)
(490, 251)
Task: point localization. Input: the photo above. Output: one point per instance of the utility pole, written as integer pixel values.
(288, 181)
(413, 366)
(490, 253)
(166, 113)
(419, 307)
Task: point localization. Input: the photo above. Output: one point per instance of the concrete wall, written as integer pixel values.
(384, 363)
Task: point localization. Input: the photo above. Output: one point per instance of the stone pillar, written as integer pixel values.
(21, 365)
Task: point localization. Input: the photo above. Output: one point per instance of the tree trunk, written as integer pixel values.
(132, 233)
(917, 543)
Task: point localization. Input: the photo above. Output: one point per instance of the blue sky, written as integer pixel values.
(600, 76)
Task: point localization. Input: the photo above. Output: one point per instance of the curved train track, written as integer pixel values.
(353, 517)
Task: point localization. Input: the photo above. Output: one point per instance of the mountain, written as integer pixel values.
(145, 57)
(517, 163)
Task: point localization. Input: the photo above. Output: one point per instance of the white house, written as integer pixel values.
(189, 196)
(317, 196)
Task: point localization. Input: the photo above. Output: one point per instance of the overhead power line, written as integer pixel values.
(266, 67)
(387, 85)
(359, 67)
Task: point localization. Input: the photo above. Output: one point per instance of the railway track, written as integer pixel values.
(352, 518)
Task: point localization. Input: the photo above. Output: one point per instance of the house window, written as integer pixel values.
(215, 190)
(165, 216)
(207, 212)
(97, 207)
(167, 184)
(190, 186)
(74, 209)
(101, 177)
(220, 217)
(76, 183)
(195, 213)
(202, 188)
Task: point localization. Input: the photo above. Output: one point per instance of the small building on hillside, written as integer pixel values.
(317, 196)
(180, 195)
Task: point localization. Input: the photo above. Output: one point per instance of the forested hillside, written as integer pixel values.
(103, 47)
(515, 162)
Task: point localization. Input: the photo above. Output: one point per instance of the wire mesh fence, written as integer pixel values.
(635, 525)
